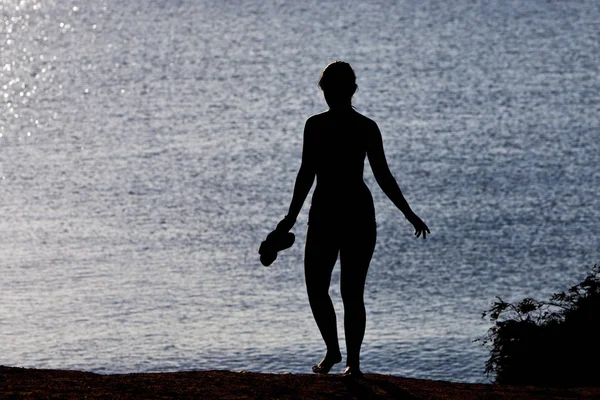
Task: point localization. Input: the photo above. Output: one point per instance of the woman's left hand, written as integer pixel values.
(420, 226)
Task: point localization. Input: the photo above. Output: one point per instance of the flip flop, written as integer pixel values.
(275, 242)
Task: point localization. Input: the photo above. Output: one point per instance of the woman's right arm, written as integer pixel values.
(386, 180)
(304, 179)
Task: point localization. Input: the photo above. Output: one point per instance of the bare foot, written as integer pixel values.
(324, 366)
(353, 372)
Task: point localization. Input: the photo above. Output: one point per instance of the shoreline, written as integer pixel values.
(23, 383)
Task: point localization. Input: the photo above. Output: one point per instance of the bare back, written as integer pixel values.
(337, 143)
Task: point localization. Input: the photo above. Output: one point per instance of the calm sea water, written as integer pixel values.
(146, 148)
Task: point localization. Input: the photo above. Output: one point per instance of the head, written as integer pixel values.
(338, 83)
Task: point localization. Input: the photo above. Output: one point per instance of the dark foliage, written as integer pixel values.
(547, 343)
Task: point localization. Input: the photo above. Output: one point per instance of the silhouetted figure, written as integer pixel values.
(342, 216)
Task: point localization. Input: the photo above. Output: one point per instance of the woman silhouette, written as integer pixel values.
(342, 216)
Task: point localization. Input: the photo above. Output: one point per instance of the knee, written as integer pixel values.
(353, 300)
(316, 291)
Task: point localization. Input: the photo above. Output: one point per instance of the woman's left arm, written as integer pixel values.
(388, 183)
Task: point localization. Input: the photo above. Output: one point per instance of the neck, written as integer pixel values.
(340, 107)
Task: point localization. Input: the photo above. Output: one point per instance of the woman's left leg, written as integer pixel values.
(320, 256)
(355, 256)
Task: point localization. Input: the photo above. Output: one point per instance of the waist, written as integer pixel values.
(336, 190)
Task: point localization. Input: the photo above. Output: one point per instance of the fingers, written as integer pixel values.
(424, 232)
(421, 228)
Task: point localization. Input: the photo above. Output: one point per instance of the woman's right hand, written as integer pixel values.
(286, 224)
(420, 226)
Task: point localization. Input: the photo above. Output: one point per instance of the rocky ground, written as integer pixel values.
(21, 383)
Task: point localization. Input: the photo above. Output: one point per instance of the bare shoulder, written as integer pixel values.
(316, 118)
(314, 123)
(357, 120)
(366, 123)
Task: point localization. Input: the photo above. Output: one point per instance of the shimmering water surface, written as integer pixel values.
(146, 148)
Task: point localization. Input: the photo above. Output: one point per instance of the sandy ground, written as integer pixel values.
(21, 383)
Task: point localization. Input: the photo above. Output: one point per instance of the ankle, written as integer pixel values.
(333, 355)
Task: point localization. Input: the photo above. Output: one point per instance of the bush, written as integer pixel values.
(547, 343)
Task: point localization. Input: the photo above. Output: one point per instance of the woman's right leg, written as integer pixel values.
(320, 256)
